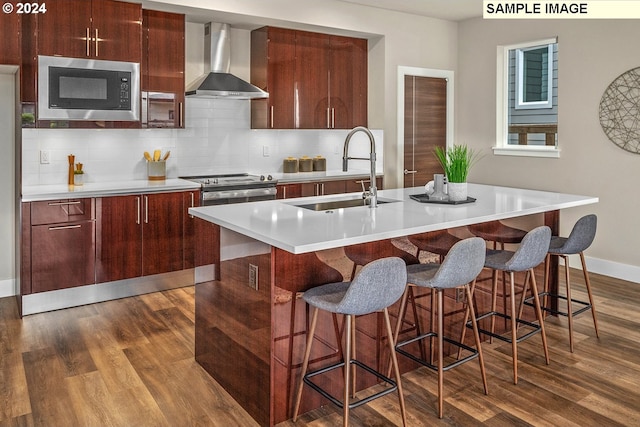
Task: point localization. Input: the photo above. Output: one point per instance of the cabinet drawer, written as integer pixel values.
(64, 210)
(62, 256)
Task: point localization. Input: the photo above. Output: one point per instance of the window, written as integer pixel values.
(527, 101)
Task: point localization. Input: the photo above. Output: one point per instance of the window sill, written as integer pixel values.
(527, 151)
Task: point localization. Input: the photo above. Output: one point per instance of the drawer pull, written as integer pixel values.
(64, 227)
(75, 202)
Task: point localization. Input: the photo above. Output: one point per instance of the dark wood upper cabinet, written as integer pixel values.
(10, 31)
(162, 69)
(314, 80)
(273, 70)
(348, 82)
(100, 29)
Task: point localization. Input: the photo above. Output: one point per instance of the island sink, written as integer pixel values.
(342, 203)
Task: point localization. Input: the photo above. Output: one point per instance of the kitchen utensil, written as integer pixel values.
(147, 156)
(305, 164)
(156, 155)
(166, 155)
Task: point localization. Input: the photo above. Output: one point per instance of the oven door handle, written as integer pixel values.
(238, 194)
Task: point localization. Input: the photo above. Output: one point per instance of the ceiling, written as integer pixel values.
(452, 10)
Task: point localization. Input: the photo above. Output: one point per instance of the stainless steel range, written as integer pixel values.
(234, 188)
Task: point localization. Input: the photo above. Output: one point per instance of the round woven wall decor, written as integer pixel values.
(620, 111)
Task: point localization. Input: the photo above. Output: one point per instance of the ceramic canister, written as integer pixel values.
(319, 164)
(290, 165)
(305, 164)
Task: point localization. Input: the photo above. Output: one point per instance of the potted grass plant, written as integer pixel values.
(456, 162)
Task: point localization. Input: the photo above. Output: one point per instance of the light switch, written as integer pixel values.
(266, 151)
(45, 157)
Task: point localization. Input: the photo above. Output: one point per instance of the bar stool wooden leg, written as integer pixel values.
(396, 369)
(476, 335)
(587, 283)
(305, 361)
(514, 328)
(569, 305)
(536, 299)
(347, 371)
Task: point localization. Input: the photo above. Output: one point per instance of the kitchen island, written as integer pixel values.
(271, 251)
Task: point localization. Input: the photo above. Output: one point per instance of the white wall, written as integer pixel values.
(7, 184)
(591, 54)
(217, 139)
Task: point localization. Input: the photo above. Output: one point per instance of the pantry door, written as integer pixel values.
(426, 126)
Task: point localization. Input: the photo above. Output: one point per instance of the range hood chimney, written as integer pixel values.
(217, 82)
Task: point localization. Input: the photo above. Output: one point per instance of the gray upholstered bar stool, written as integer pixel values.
(459, 268)
(579, 240)
(531, 252)
(378, 285)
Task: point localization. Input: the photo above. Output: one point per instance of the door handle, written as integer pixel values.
(97, 42)
(88, 43)
(408, 172)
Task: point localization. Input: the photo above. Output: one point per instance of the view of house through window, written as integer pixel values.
(533, 99)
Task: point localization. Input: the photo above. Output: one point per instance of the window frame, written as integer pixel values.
(502, 146)
(520, 104)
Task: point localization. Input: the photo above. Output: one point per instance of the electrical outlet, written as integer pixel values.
(266, 151)
(253, 276)
(45, 157)
(461, 296)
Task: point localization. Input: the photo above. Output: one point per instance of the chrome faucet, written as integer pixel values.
(372, 194)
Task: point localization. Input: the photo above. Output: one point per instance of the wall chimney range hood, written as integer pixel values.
(217, 82)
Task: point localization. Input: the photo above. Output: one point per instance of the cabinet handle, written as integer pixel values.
(87, 41)
(138, 210)
(284, 192)
(322, 187)
(192, 203)
(65, 227)
(328, 118)
(271, 119)
(96, 42)
(333, 118)
(180, 114)
(408, 172)
(75, 202)
(146, 209)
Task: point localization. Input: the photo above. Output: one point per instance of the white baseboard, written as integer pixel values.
(618, 270)
(7, 288)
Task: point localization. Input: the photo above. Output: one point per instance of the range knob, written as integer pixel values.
(262, 178)
(269, 178)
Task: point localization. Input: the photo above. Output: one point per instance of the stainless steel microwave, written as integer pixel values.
(88, 89)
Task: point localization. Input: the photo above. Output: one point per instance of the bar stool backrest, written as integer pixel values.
(378, 285)
(462, 264)
(532, 250)
(582, 235)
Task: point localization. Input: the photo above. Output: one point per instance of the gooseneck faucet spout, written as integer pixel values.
(372, 194)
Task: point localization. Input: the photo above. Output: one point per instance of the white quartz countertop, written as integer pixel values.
(99, 189)
(282, 224)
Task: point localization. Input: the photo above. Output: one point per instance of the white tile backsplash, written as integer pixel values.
(217, 139)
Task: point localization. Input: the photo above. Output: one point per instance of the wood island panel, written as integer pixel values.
(243, 336)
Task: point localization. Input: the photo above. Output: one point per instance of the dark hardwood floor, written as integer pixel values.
(130, 363)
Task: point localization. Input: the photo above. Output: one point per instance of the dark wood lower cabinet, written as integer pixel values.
(118, 238)
(139, 235)
(62, 255)
(325, 188)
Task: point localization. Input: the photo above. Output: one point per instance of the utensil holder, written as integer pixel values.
(157, 171)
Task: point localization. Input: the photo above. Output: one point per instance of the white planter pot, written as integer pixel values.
(457, 191)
